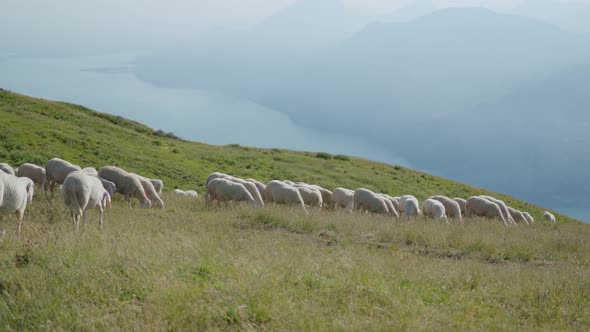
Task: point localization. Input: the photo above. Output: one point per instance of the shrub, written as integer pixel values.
(323, 155)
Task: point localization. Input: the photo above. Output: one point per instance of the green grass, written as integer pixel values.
(192, 267)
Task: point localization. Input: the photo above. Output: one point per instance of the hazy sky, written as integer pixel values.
(136, 24)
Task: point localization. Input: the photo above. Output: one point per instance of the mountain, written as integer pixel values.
(570, 15)
(35, 130)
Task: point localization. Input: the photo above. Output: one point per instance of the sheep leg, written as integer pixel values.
(20, 221)
(100, 209)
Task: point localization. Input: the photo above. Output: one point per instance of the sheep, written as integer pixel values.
(549, 217)
(452, 207)
(158, 185)
(289, 182)
(395, 202)
(90, 171)
(529, 218)
(214, 175)
(82, 191)
(390, 207)
(56, 171)
(517, 216)
(462, 203)
(282, 193)
(366, 200)
(326, 195)
(411, 202)
(127, 184)
(311, 197)
(149, 189)
(502, 206)
(435, 209)
(250, 186)
(31, 171)
(109, 186)
(261, 188)
(6, 168)
(224, 190)
(13, 197)
(30, 187)
(180, 192)
(343, 198)
(481, 207)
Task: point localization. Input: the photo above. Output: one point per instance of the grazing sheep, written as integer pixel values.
(411, 202)
(326, 195)
(109, 186)
(529, 218)
(225, 190)
(31, 171)
(452, 208)
(149, 189)
(517, 216)
(395, 202)
(481, 207)
(127, 184)
(503, 208)
(390, 207)
(289, 182)
(13, 197)
(366, 200)
(30, 187)
(82, 191)
(434, 209)
(158, 185)
(250, 186)
(549, 217)
(6, 168)
(261, 188)
(214, 175)
(90, 171)
(311, 197)
(190, 193)
(343, 198)
(282, 193)
(462, 203)
(56, 171)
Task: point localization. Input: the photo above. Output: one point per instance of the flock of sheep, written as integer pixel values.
(88, 188)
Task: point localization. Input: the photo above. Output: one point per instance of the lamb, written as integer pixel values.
(462, 203)
(435, 209)
(311, 197)
(502, 206)
(366, 200)
(529, 218)
(549, 217)
(127, 184)
(517, 216)
(13, 197)
(31, 171)
(261, 188)
(343, 198)
(481, 207)
(411, 202)
(283, 193)
(82, 191)
(149, 189)
(224, 190)
(6, 168)
(56, 171)
(190, 193)
(452, 207)
(90, 171)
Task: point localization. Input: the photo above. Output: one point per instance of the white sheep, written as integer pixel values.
(224, 190)
(127, 184)
(517, 216)
(282, 193)
(462, 203)
(90, 171)
(529, 218)
(311, 196)
(409, 206)
(366, 200)
(326, 195)
(13, 197)
(31, 171)
(549, 217)
(214, 175)
(452, 207)
(30, 187)
(149, 189)
(82, 191)
(180, 192)
(434, 209)
(56, 171)
(503, 208)
(261, 188)
(343, 198)
(481, 207)
(390, 207)
(250, 186)
(109, 186)
(4, 167)
(158, 185)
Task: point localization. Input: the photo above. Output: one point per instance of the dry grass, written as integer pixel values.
(191, 268)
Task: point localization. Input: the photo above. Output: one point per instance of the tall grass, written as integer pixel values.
(189, 267)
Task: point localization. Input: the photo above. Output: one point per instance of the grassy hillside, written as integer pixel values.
(36, 130)
(192, 267)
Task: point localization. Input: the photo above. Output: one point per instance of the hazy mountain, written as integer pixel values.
(410, 11)
(571, 15)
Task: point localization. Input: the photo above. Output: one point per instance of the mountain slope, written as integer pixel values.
(35, 130)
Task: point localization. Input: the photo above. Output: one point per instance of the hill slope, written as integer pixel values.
(36, 130)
